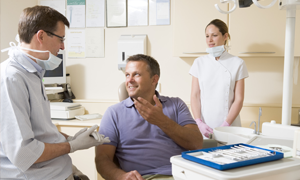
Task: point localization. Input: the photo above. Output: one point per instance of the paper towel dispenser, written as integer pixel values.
(129, 45)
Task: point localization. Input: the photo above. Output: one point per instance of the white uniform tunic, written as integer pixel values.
(217, 81)
(25, 123)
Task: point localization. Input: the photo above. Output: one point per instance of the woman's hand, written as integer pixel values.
(204, 128)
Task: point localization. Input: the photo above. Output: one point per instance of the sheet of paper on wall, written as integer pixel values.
(76, 13)
(159, 12)
(137, 12)
(116, 13)
(94, 42)
(76, 43)
(59, 5)
(95, 13)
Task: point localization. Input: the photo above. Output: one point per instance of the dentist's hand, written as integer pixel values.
(87, 139)
(100, 137)
(70, 138)
(204, 128)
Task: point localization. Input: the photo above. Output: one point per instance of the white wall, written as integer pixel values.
(10, 11)
(175, 80)
(99, 78)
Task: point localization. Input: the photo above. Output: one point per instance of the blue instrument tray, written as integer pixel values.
(275, 156)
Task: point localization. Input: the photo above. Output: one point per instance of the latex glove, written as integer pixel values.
(86, 140)
(204, 128)
(225, 123)
(70, 138)
(100, 137)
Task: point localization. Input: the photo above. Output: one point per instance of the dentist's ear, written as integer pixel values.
(40, 36)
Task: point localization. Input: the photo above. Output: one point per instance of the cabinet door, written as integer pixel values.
(297, 34)
(259, 32)
(190, 18)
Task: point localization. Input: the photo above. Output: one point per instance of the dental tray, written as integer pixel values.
(231, 156)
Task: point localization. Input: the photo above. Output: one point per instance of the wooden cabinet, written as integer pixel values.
(297, 34)
(190, 18)
(260, 32)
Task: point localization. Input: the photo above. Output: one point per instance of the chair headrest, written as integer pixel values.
(122, 92)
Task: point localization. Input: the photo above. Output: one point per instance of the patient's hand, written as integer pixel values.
(132, 175)
(152, 113)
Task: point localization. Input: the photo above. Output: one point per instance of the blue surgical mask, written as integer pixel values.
(216, 51)
(51, 63)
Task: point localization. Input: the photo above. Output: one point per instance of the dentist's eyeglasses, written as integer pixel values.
(61, 38)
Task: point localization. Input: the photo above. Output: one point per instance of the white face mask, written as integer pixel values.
(216, 51)
(51, 63)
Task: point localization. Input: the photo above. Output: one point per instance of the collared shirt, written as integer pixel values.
(217, 81)
(26, 124)
(37, 67)
(141, 145)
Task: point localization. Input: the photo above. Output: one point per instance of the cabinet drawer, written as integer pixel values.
(180, 173)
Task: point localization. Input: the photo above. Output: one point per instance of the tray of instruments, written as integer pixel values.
(232, 156)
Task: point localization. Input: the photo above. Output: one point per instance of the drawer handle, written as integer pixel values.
(182, 172)
(256, 52)
(194, 52)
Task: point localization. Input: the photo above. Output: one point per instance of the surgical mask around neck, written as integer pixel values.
(51, 63)
(216, 51)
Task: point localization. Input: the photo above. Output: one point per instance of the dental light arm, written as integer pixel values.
(242, 4)
(236, 4)
(264, 7)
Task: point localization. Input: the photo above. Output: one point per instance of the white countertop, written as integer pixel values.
(76, 122)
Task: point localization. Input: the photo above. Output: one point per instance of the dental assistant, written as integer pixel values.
(31, 147)
(217, 93)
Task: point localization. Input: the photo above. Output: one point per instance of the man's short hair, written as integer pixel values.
(152, 64)
(38, 18)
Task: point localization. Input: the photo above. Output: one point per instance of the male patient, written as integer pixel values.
(146, 129)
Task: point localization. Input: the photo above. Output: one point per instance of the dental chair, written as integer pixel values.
(123, 94)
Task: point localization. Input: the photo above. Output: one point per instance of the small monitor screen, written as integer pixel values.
(58, 72)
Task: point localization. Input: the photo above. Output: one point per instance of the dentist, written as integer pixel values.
(217, 82)
(31, 147)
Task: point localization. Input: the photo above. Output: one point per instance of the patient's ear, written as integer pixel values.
(155, 79)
